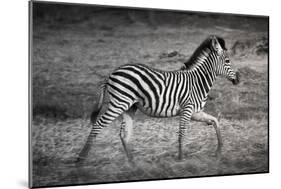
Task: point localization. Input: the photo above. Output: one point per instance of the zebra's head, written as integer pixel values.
(224, 67)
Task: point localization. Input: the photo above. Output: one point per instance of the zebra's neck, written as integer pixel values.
(203, 73)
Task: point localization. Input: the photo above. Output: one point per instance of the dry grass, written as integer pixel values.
(154, 149)
(69, 62)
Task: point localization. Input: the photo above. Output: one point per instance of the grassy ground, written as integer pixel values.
(70, 60)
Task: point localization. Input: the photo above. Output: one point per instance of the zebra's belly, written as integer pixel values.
(169, 112)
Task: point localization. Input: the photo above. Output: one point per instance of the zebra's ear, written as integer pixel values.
(183, 67)
(216, 45)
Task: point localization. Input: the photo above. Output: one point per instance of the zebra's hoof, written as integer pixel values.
(180, 157)
(132, 163)
(218, 154)
(80, 160)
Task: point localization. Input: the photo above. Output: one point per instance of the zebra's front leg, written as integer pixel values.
(184, 121)
(204, 117)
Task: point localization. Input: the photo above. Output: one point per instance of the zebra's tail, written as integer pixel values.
(96, 111)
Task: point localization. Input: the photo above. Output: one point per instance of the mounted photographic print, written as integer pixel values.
(121, 94)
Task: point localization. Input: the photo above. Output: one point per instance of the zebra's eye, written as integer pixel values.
(227, 61)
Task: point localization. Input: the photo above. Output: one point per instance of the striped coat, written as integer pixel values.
(160, 93)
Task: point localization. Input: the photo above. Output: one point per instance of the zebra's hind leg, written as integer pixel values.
(87, 146)
(204, 117)
(112, 112)
(126, 131)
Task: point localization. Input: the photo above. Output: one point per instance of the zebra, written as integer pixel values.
(159, 93)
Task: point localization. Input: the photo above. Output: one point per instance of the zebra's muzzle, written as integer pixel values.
(237, 79)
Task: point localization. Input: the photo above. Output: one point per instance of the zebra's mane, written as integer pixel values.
(206, 46)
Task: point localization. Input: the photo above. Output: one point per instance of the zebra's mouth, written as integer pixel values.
(237, 79)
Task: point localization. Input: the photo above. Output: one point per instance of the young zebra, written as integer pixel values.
(163, 93)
